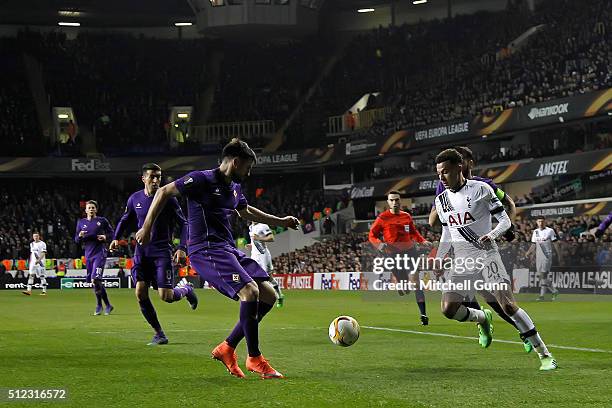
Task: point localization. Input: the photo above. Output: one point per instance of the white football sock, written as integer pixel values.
(527, 328)
(468, 314)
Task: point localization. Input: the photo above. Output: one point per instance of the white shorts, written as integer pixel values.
(38, 270)
(264, 260)
(493, 272)
(543, 265)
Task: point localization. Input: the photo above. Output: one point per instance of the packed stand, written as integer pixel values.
(352, 252)
(436, 71)
(52, 209)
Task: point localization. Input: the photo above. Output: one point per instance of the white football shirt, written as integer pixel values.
(467, 214)
(543, 238)
(37, 248)
(260, 230)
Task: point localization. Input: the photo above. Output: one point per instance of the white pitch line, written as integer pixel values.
(592, 350)
(201, 330)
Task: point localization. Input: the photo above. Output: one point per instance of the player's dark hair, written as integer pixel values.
(451, 155)
(541, 217)
(36, 232)
(394, 192)
(94, 202)
(150, 166)
(238, 148)
(466, 152)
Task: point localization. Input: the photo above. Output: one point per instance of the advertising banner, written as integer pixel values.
(575, 279)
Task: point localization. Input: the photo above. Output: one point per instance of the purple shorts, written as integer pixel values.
(155, 271)
(226, 269)
(95, 268)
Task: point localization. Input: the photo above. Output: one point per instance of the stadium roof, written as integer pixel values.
(149, 13)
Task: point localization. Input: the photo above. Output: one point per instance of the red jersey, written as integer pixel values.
(398, 231)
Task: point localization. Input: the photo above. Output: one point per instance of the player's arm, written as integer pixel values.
(43, 255)
(268, 236)
(375, 231)
(251, 213)
(497, 210)
(106, 229)
(532, 247)
(415, 234)
(78, 235)
(162, 195)
(433, 217)
(445, 243)
(555, 244)
(123, 225)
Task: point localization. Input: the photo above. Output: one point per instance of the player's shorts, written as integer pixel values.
(492, 272)
(264, 260)
(95, 268)
(155, 271)
(543, 265)
(227, 269)
(37, 270)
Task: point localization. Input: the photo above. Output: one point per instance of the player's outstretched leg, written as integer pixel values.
(183, 289)
(527, 329)
(491, 301)
(225, 352)
(453, 308)
(279, 293)
(150, 315)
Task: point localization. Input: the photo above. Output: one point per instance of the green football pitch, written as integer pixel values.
(103, 361)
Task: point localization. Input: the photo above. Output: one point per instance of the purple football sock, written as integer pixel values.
(237, 333)
(248, 320)
(148, 311)
(97, 292)
(104, 295)
(180, 293)
(420, 298)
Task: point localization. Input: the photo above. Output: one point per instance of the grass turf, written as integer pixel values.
(54, 341)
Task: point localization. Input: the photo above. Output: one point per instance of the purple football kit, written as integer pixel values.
(212, 252)
(153, 261)
(95, 250)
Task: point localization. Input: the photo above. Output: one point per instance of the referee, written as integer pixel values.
(399, 236)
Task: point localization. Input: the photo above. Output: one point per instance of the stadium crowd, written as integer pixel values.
(353, 252)
(471, 70)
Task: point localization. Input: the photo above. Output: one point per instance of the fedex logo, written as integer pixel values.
(329, 284)
(354, 283)
(458, 219)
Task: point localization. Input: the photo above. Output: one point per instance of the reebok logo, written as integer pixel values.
(189, 180)
(535, 113)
